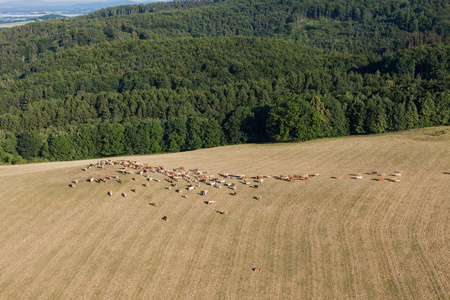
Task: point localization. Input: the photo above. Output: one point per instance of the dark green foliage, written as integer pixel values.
(195, 129)
(8, 148)
(29, 144)
(357, 117)
(60, 147)
(186, 75)
(111, 139)
(412, 116)
(376, 120)
(175, 134)
(293, 120)
(397, 113)
(85, 142)
(213, 135)
(237, 125)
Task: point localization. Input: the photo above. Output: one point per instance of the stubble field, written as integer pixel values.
(321, 238)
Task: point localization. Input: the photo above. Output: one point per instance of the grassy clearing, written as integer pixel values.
(320, 238)
(14, 24)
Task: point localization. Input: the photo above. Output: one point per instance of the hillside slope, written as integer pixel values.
(178, 76)
(317, 238)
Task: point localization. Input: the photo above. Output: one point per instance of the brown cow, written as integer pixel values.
(154, 204)
(256, 269)
(166, 218)
(133, 190)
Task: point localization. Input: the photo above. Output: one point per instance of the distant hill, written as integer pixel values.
(75, 7)
(50, 17)
(193, 74)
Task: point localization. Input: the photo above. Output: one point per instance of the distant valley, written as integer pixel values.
(25, 10)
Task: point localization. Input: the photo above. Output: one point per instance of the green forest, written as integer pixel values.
(184, 75)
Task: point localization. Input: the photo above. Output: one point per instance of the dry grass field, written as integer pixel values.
(14, 24)
(322, 238)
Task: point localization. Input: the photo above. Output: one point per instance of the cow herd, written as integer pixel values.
(194, 179)
(187, 182)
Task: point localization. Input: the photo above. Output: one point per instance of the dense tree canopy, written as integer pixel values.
(185, 75)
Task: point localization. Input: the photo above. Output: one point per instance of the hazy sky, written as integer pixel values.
(60, 1)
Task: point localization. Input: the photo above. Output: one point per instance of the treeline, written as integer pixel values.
(291, 118)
